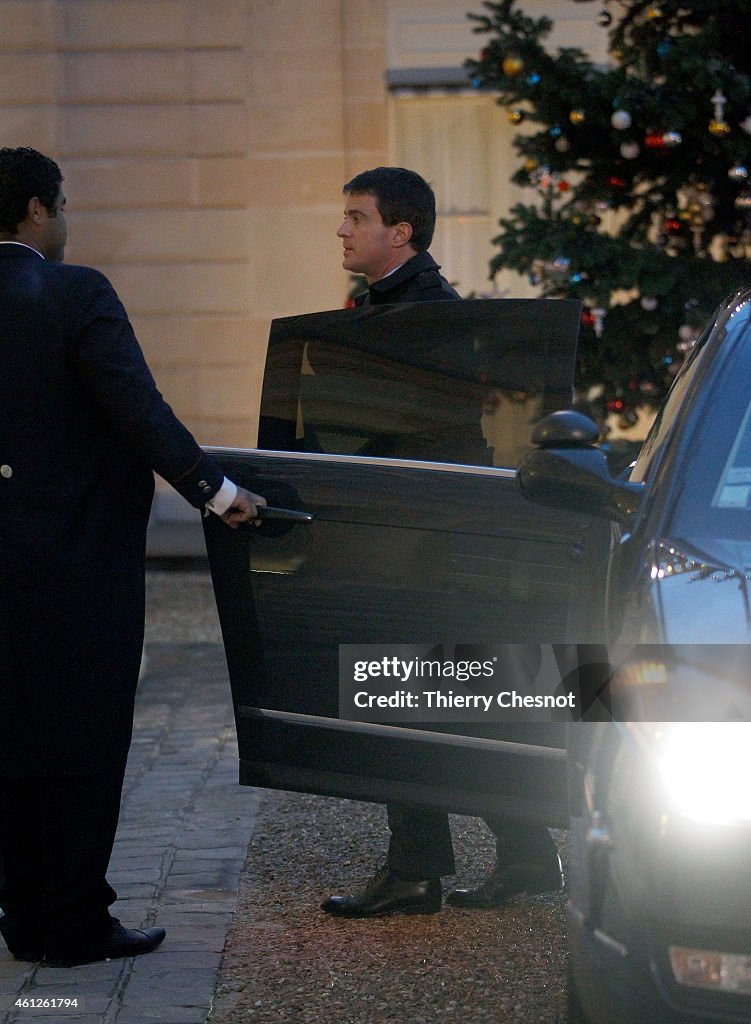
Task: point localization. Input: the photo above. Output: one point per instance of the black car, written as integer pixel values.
(389, 439)
(660, 876)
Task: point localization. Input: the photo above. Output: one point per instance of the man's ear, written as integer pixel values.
(402, 233)
(36, 210)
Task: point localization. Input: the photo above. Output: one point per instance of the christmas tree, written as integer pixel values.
(640, 169)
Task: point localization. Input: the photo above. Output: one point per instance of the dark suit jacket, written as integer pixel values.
(417, 280)
(82, 426)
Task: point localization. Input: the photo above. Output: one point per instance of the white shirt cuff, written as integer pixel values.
(223, 498)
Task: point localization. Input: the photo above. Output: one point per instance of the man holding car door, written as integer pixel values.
(82, 428)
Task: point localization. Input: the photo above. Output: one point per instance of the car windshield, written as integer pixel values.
(715, 494)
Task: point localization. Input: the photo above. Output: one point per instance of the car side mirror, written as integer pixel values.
(566, 471)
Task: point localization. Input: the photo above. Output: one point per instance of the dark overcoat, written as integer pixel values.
(417, 280)
(82, 426)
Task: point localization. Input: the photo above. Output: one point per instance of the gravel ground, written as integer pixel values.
(287, 961)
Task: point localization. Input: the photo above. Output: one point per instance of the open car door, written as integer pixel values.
(397, 428)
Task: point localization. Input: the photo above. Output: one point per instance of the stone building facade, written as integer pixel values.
(205, 144)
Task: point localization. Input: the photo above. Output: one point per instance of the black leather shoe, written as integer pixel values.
(503, 883)
(118, 943)
(387, 894)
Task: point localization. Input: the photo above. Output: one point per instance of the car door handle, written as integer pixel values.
(288, 515)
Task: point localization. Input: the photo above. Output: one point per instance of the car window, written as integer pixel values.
(662, 427)
(450, 382)
(715, 498)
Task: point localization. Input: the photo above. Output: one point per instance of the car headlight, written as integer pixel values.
(711, 969)
(690, 708)
(705, 768)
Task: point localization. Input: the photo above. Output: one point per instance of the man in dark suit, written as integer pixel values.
(82, 427)
(388, 226)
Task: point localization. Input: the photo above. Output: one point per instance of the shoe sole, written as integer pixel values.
(103, 959)
(489, 904)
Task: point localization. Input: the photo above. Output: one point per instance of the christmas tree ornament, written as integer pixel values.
(515, 116)
(672, 139)
(621, 120)
(604, 18)
(599, 315)
(577, 116)
(630, 150)
(562, 144)
(533, 79)
(648, 303)
(738, 173)
(512, 65)
(664, 48)
(719, 128)
(718, 125)
(558, 268)
(743, 201)
(655, 140)
(653, 12)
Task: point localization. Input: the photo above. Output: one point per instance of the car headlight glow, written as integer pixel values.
(711, 969)
(705, 768)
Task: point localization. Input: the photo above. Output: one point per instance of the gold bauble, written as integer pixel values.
(719, 127)
(577, 117)
(512, 65)
(515, 116)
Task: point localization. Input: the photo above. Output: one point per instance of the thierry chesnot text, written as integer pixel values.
(480, 701)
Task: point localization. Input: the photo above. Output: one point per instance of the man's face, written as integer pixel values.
(369, 245)
(53, 230)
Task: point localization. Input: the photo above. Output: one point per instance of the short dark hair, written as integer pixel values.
(25, 174)
(400, 195)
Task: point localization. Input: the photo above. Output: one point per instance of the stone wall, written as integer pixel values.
(204, 145)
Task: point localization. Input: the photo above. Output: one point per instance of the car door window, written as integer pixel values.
(452, 382)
